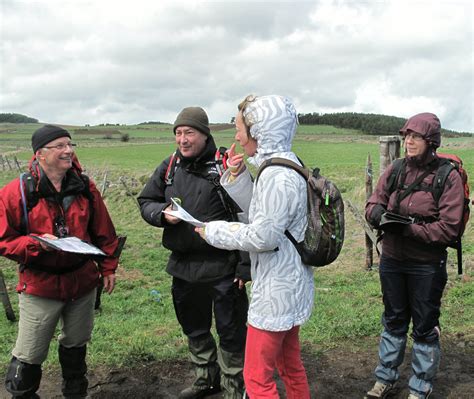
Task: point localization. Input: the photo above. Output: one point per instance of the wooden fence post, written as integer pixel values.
(369, 248)
(17, 163)
(8, 163)
(129, 192)
(104, 184)
(389, 151)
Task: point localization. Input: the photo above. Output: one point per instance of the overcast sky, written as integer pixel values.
(112, 61)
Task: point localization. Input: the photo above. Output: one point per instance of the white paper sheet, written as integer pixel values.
(180, 213)
(71, 244)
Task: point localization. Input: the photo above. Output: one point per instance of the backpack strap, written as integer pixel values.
(444, 169)
(169, 174)
(29, 199)
(221, 160)
(393, 180)
(401, 195)
(304, 172)
(403, 191)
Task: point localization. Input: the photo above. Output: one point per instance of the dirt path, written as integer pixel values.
(335, 373)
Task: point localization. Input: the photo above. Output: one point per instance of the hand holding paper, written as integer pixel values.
(69, 244)
(180, 213)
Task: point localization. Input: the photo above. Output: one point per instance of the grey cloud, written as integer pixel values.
(99, 66)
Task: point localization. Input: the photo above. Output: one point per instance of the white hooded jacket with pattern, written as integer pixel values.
(282, 286)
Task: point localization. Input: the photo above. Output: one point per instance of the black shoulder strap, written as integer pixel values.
(220, 162)
(401, 195)
(442, 174)
(29, 199)
(394, 178)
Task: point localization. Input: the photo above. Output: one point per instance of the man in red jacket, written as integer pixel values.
(54, 200)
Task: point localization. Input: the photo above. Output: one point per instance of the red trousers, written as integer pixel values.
(267, 350)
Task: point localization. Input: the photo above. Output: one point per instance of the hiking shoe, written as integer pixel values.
(415, 396)
(198, 391)
(379, 391)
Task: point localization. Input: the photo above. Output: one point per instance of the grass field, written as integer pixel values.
(136, 326)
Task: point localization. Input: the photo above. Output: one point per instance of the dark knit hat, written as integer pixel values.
(46, 134)
(195, 117)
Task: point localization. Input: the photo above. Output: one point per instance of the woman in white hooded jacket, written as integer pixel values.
(282, 286)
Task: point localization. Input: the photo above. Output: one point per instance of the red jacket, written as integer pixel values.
(424, 241)
(96, 228)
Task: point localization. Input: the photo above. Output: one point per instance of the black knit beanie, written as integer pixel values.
(46, 134)
(195, 117)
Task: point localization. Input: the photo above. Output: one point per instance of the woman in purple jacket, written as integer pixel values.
(413, 262)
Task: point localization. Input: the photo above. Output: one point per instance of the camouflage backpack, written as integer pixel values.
(324, 234)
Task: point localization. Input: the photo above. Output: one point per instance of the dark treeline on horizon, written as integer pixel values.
(16, 118)
(375, 124)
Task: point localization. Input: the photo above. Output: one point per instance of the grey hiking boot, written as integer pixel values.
(198, 391)
(379, 391)
(413, 395)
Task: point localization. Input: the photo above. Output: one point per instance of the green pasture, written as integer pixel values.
(134, 326)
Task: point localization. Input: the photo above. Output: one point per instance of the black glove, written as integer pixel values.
(395, 228)
(376, 214)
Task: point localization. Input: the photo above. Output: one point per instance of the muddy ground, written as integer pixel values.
(335, 373)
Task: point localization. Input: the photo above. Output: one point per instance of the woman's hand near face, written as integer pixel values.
(235, 161)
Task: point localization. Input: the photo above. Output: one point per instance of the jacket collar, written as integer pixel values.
(424, 159)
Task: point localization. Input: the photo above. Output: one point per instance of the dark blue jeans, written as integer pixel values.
(412, 291)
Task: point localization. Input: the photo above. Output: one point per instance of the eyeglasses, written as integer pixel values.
(61, 147)
(414, 136)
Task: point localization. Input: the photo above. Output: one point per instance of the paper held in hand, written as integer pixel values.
(71, 244)
(180, 213)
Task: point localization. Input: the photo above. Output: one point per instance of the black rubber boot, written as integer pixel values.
(74, 369)
(23, 379)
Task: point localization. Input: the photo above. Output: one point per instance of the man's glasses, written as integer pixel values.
(61, 147)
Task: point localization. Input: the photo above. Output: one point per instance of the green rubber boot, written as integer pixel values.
(232, 379)
(203, 354)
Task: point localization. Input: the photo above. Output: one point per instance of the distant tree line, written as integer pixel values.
(152, 123)
(16, 118)
(375, 124)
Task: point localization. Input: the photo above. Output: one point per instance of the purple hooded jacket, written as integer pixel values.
(424, 242)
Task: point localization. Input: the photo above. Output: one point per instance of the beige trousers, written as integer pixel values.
(39, 318)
